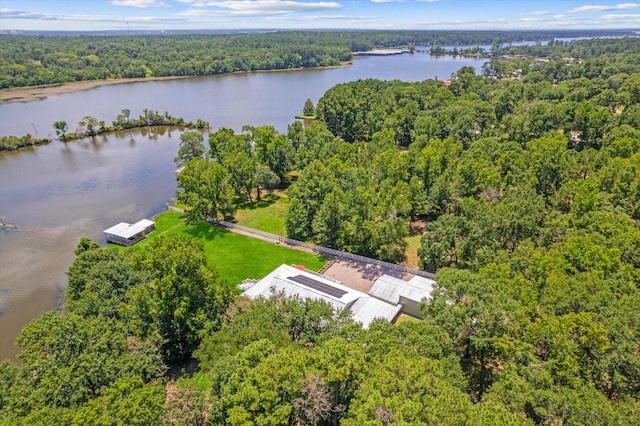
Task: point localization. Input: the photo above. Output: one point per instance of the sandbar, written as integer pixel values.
(26, 94)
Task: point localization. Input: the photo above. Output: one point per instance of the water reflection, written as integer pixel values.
(66, 191)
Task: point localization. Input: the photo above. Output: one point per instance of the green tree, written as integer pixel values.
(340, 369)
(265, 394)
(93, 353)
(243, 173)
(403, 390)
(85, 244)
(207, 192)
(265, 180)
(308, 109)
(191, 146)
(98, 281)
(89, 125)
(184, 300)
(61, 128)
(125, 402)
(307, 196)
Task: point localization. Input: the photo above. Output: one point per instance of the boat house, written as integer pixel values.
(127, 234)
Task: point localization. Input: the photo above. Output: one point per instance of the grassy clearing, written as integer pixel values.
(412, 251)
(235, 257)
(199, 379)
(267, 215)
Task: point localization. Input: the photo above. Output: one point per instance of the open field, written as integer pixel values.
(235, 257)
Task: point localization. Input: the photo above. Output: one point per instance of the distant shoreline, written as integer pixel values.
(36, 93)
(27, 94)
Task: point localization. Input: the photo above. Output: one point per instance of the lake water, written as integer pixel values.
(61, 192)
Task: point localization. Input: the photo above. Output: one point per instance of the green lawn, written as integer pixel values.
(235, 257)
(267, 215)
(412, 251)
(199, 379)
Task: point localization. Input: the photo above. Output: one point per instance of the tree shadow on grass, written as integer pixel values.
(266, 201)
(205, 231)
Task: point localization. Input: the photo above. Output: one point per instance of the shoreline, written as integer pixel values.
(37, 93)
(27, 94)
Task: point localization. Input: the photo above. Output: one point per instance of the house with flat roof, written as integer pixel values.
(390, 298)
(408, 294)
(127, 234)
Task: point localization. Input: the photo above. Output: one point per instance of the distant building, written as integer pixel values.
(388, 298)
(127, 234)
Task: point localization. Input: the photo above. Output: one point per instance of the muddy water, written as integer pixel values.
(61, 192)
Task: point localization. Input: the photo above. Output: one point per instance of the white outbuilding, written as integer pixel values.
(388, 298)
(127, 234)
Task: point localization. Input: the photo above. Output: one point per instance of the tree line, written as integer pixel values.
(91, 126)
(34, 61)
(10, 143)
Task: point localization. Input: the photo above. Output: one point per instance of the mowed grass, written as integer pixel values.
(235, 257)
(266, 215)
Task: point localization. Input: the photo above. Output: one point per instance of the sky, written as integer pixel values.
(100, 15)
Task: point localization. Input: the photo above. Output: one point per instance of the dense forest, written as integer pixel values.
(33, 61)
(529, 189)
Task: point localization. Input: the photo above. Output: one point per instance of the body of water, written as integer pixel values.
(61, 192)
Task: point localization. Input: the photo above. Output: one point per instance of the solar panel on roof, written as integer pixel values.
(318, 285)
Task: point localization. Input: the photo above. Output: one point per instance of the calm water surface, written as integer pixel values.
(61, 192)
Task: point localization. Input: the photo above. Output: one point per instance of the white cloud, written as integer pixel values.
(256, 7)
(540, 12)
(630, 17)
(403, 1)
(139, 3)
(17, 14)
(326, 17)
(605, 8)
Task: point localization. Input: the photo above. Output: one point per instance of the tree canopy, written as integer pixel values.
(528, 190)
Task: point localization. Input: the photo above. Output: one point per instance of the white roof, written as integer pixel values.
(422, 282)
(383, 301)
(117, 229)
(126, 230)
(390, 289)
(281, 280)
(368, 308)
